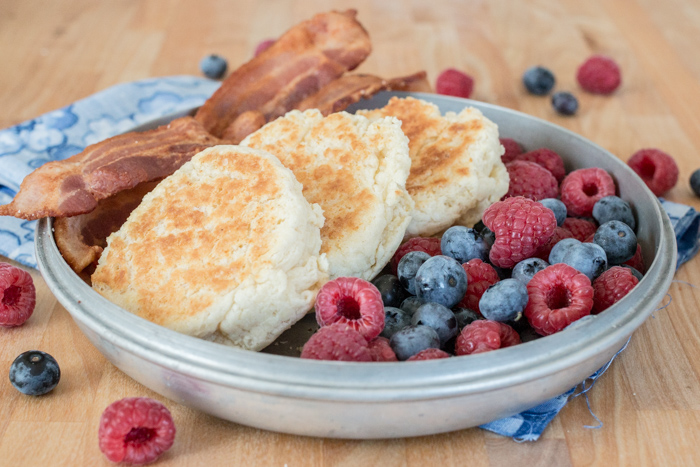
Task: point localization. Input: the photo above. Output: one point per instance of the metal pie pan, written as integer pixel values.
(379, 400)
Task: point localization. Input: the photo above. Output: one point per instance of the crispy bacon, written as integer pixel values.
(73, 186)
(303, 60)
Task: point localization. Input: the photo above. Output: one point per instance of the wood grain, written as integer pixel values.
(53, 53)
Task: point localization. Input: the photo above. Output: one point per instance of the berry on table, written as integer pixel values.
(429, 354)
(613, 208)
(338, 342)
(438, 317)
(484, 335)
(380, 350)
(18, 295)
(530, 180)
(524, 270)
(351, 301)
(611, 286)
(599, 75)
(395, 319)
(34, 373)
(618, 240)
(135, 430)
(564, 103)
(512, 149)
(391, 289)
(263, 46)
(442, 280)
(582, 188)
(538, 80)
(408, 268)
(430, 245)
(581, 229)
(213, 66)
(464, 244)
(412, 339)
(588, 258)
(453, 82)
(546, 158)
(557, 207)
(504, 301)
(658, 170)
(480, 276)
(695, 182)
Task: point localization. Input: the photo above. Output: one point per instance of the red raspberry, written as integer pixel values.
(599, 75)
(18, 295)
(263, 46)
(611, 286)
(135, 430)
(546, 158)
(580, 229)
(558, 296)
(381, 351)
(352, 301)
(582, 188)
(429, 354)
(512, 147)
(480, 276)
(531, 181)
(484, 335)
(521, 226)
(337, 342)
(559, 235)
(637, 261)
(452, 82)
(430, 245)
(658, 170)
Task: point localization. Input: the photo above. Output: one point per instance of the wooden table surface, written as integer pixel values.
(53, 53)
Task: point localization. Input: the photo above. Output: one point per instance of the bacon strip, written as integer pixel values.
(302, 61)
(73, 186)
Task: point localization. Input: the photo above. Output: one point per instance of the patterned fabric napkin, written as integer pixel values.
(67, 131)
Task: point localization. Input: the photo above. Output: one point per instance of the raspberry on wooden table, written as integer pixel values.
(351, 301)
(429, 354)
(582, 188)
(599, 75)
(452, 82)
(512, 147)
(380, 350)
(18, 295)
(337, 342)
(658, 170)
(546, 158)
(580, 229)
(484, 335)
(531, 180)
(480, 276)
(611, 286)
(430, 245)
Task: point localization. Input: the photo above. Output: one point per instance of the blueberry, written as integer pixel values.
(618, 240)
(504, 300)
(442, 280)
(391, 289)
(395, 320)
(465, 316)
(635, 272)
(438, 317)
(408, 268)
(560, 249)
(411, 304)
(34, 373)
(463, 244)
(479, 226)
(524, 270)
(412, 339)
(557, 207)
(695, 182)
(588, 258)
(488, 236)
(538, 80)
(565, 103)
(612, 208)
(213, 66)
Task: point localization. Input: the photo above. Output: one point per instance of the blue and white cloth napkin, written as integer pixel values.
(67, 131)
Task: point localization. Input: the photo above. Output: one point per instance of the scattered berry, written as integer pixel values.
(611, 286)
(430, 245)
(546, 158)
(512, 149)
(408, 268)
(429, 354)
(557, 207)
(561, 249)
(618, 240)
(560, 234)
(613, 208)
(581, 229)
(439, 318)
(588, 258)
(658, 170)
(531, 181)
(538, 80)
(395, 319)
(599, 75)
(524, 270)
(564, 103)
(263, 46)
(411, 304)
(484, 335)
(380, 350)
(391, 290)
(637, 261)
(18, 295)
(582, 188)
(338, 341)
(504, 301)
(480, 276)
(34, 373)
(452, 82)
(559, 295)
(466, 316)
(522, 227)
(463, 244)
(695, 182)
(135, 430)
(442, 280)
(351, 301)
(412, 339)
(213, 66)
(634, 271)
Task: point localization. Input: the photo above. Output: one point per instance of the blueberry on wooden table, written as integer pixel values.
(34, 373)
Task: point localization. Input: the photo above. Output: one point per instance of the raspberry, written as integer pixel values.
(263, 46)
(611, 286)
(599, 75)
(521, 226)
(351, 301)
(637, 261)
(531, 181)
(546, 158)
(480, 276)
(580, 229)
(430, 245)
(381, 351)
(339, 342)
(484, 335)
(452, 82)
(18, 295)
(582, 188)
(559, 295)
(135, 430)
(658, 170)
(560, 233)
(429, 354)
(512, 147)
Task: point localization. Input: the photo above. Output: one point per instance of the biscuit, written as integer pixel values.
(225, 249)
(456, 168)
(356, 171)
